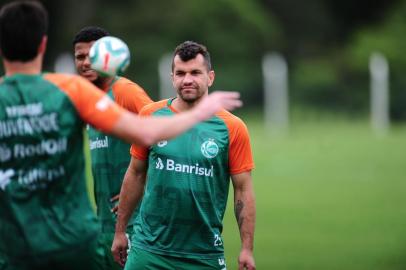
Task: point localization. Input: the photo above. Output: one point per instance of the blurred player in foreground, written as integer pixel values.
(46, 220)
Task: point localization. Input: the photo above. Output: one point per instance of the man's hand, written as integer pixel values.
(217, 101)
(115, 207)
(246, 260)
(119, 248)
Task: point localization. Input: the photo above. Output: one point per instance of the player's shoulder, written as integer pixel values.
(124, 84)
(120, 81)
(66, 80)
(230, 119)
(62, 76)
(154, 106)
(79, 90)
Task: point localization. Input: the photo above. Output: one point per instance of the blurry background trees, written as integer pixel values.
(327, 43)
(330, 194)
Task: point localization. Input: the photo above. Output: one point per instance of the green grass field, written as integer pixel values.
(329, 195)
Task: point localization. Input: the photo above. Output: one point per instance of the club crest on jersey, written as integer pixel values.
(162, 143)
(209, 148)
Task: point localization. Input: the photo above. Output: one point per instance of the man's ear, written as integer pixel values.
(43, 45)
(173, 81)
(212, 75)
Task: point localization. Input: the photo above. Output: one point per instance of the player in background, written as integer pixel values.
(46, 220)
(110, 156)
(186, 181)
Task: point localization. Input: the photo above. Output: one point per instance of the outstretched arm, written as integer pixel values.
(97, 109)
(244, 208)
(149, 130)
(130, 196)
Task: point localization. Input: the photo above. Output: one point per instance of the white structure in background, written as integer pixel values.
(165, 81)
(379, 69)
(275, 72)
(64, 63)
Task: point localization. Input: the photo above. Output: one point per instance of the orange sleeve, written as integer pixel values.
(130, 95)
(239, 152)
(93, 106)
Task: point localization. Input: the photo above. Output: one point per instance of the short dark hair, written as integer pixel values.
(189, 50)
(23, 24)
(89, 33)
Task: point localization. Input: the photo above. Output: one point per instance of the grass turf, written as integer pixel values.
(330, 195)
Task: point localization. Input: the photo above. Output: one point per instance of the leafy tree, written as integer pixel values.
(388, 39)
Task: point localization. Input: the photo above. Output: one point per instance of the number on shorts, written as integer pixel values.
(217, 240)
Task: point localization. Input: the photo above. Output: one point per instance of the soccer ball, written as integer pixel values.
(109, 56)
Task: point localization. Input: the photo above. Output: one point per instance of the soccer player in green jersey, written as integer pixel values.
(46, 220)
(185, 181)
(109, 156)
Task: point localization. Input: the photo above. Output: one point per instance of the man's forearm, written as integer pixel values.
(245, 213)
(130, 195)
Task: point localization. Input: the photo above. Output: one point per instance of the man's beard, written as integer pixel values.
(190, 98)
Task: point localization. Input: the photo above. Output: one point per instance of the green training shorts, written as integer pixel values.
(139, 259)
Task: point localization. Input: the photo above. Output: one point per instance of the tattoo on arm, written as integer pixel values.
(239, 205)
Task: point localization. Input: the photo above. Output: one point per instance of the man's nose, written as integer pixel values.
(87, 61)
(188, 78)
